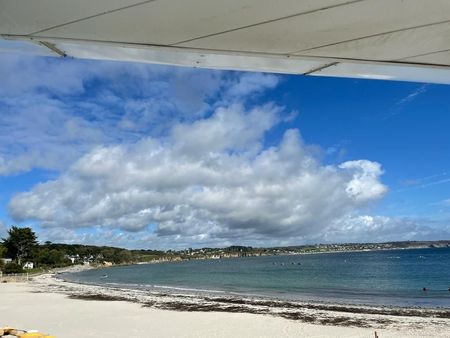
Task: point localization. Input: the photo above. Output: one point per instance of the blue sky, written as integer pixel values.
(404, 126)
(143, 155)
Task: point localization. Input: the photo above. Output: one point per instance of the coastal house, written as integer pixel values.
(72, 258)
(28, 265)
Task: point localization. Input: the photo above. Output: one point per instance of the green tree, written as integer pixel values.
(116, 256)
(51, 257)
(12, 268)
(122, 256)
(20, 243)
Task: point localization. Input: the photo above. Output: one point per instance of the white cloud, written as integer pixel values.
(364, 184)
(230, 128)
(252, 83)
(55, 110)
(37, 131)
(348, 229)
(366, 228)
(206, 181)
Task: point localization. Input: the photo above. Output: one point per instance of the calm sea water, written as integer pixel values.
(379, 277)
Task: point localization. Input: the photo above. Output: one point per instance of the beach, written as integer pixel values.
(66, 309)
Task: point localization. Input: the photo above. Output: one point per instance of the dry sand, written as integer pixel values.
(44, 304)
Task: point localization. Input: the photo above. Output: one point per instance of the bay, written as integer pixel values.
(388, 277)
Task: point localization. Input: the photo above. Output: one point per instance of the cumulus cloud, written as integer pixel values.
(209, 180)
(229, 128)
(53, 111)
(364, 183)
(179, 155)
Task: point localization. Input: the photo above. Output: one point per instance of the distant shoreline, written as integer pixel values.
(156, 261)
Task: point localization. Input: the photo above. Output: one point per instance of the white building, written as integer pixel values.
(28, 265)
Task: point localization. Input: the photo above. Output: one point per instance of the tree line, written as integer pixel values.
(21, 247)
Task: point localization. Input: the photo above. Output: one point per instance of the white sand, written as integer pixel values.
(54, 313)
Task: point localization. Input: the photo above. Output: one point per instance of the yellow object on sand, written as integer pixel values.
(34, 335)
(9, 331)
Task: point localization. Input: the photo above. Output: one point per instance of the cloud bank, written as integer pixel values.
(152, 156)
(211, 178)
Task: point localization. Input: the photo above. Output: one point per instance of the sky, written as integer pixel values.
(150, 156)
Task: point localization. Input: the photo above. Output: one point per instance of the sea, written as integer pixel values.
(387, 277)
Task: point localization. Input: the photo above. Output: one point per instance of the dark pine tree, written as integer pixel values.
(20, 243)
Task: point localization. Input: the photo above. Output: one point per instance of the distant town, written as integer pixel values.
(248, 251)
(21, 252)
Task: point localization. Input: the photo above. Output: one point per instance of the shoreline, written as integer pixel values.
(324, 302)
(436, 300)
(65, 309)
(316, 312)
